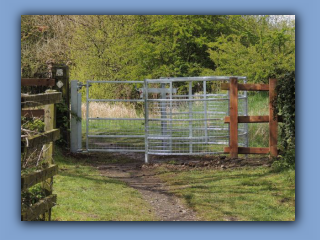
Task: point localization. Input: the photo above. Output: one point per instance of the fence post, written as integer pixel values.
(60, 72)
(233, 117)
(273, 120)
(75, 128)
(50, 123)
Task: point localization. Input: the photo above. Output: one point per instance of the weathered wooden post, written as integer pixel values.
(49, 124)
(233, 117)
(60, 73)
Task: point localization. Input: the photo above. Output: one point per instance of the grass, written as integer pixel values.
(110, 110)
(258, 105)
(85, 195)
(249, 194)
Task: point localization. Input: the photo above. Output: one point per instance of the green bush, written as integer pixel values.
(285, 106)
(32, 124)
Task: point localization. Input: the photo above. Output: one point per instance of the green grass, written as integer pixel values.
(258, 105)
(251, 194)
(258, 132)
(85, 195)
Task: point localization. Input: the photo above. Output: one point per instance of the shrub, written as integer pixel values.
(285, 106)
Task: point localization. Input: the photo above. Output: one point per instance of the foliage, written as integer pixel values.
(44, 38)
(285, 106)
(124, 47)
(33, 124)
(258, 49)
(63, 121)
(139, 47)
(32, 195)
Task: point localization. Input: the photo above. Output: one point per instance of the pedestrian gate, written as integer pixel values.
(167, 116)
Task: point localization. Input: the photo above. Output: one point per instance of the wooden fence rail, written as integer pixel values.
(46, 82)
(45, 139)
(234, 119)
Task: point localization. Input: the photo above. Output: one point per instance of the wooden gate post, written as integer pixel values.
(60, 73)
(273, 120)
(233, 117)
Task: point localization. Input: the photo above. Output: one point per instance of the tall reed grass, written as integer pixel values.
(110, 110)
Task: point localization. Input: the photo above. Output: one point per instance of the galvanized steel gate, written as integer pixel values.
(168, 116)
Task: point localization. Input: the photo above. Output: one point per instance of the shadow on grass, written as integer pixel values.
(89, 177)
(257, 196)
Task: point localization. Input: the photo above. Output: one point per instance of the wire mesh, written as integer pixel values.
(172, 116)
(190, 122)
(114, 124)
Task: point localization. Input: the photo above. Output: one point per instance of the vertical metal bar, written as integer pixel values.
(205, 111)
(163, 111)
(190, 116)
(146, 116)
(87, 116)
(79, 122)
(170, 96)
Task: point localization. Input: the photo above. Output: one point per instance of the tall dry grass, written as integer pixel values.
(119, 110)
(110, 110)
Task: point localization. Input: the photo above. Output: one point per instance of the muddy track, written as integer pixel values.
(129, 168)
(165, 206)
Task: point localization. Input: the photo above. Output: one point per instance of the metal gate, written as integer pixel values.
(167, 116)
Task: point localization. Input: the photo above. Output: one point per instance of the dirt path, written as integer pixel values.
(165, 206)
(130, 168)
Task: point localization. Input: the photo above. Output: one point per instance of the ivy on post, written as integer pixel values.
(60, 73)
(273, 119)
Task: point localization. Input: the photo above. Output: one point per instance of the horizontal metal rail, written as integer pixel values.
(113, 150)
(106, 81)
(191, 100)
(115, 100)
(163, 137)
(193, 119)
(116, 136)
(180, 154)
(208, 95)
(192, 79)
(134, 119)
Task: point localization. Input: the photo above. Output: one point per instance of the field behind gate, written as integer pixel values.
(257, 106)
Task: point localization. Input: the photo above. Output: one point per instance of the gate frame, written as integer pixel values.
(76, 132)
(234, 119)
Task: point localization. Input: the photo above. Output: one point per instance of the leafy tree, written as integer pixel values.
(258, 50)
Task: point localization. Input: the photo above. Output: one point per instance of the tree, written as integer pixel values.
(259, 49)
(43, 38)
